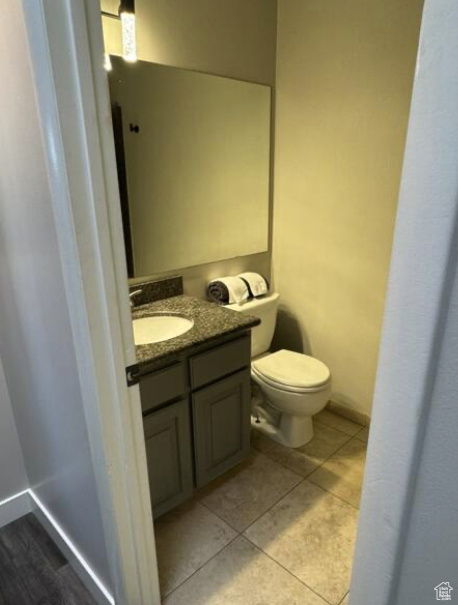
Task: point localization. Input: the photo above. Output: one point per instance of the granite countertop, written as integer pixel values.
(211, 321)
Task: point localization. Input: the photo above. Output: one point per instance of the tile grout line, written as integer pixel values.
(350, 437)
(201, 567)
(333, 454)
(307, 478)
(337, 450)
(301, 480)
(238, 532)
(332, 494)
(243, 534)
(323, 488)
(289, 571)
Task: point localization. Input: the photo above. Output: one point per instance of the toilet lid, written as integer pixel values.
(291, 369)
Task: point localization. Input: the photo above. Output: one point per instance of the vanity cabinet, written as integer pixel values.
(196, 415)
(221, 415)
(169, 455)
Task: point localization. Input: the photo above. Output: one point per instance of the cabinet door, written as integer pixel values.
(169, 455)
(221, 415)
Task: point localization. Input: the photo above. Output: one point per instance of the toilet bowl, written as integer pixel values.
(292, 386)
(297, 387)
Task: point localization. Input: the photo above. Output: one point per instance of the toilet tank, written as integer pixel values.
(266, 309)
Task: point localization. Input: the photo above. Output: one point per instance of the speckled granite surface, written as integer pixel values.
(152, 290)
(211, 321)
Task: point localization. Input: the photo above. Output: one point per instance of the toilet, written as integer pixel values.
(293, 386)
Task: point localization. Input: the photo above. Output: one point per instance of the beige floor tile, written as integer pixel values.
(338, 422)
(242, 575)
(343, 473)
(363, 435)
(312, 534)
(247, 491)
(346, 600)
(305, 459)
(186, 539)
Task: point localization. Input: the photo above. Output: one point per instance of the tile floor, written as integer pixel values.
(279, 529)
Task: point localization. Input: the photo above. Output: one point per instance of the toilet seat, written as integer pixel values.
(292, 372)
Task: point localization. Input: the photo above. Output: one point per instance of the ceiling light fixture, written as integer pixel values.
(129, 45)
(126, 14)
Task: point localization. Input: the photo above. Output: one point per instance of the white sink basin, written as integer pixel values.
(158, 328)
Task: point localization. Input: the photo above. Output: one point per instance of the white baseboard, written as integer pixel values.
(71, 553)
(26, 502)
(15, 507)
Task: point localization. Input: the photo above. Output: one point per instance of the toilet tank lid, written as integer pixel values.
(250, 306)
(293, 369)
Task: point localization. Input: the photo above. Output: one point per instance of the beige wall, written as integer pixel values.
(195, 279)
(344, 78)
(36, 338)
(233, 38)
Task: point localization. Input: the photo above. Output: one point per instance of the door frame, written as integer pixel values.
(413, 350)
(73, 101)
(67, 48)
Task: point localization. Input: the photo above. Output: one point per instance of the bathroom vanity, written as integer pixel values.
(195, 396)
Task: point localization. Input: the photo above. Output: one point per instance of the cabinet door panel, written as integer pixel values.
(169, 455)
(221, 415)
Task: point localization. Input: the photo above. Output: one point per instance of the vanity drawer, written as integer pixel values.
(220, 361)
(162, 386)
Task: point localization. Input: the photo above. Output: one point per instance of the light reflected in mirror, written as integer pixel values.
(193, 154)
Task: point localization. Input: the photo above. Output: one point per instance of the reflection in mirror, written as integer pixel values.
(193, 153)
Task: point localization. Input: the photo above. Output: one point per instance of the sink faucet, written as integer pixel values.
(132, 295)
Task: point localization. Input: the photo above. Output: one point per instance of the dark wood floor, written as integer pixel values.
(33, 571)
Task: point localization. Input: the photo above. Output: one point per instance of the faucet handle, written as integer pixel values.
(132, 295)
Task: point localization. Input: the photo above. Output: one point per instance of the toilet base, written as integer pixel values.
(290, 431)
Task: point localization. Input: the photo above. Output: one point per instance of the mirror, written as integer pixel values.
(193, 154)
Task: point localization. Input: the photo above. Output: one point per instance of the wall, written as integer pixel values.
(408, 535)
(232, 38)
(195, 279)
(13, 478)
(344, 78)
(36, 344)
